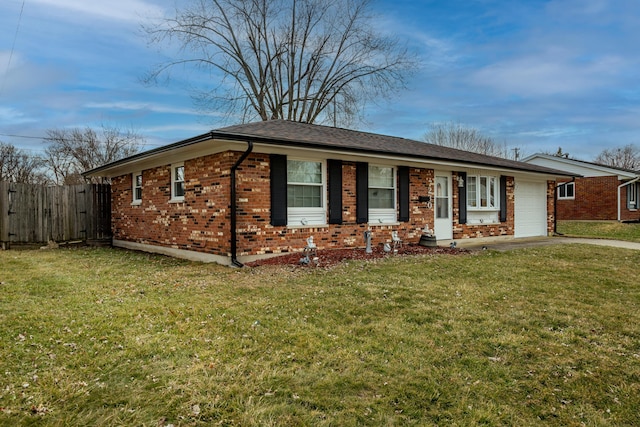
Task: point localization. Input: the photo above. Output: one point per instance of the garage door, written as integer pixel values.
(530, 209)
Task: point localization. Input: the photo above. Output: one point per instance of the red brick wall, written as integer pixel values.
(202, 222)
(626, 214)
(467, 231)
(256, 236)
(551, 198)
(596, 198)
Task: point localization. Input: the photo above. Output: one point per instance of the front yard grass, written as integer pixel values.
(601, 229)
(108, 337)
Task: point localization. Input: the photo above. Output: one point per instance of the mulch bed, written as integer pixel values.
(332, 257)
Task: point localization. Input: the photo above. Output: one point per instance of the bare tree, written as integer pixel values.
(560, 153)
(627, 157)
(18, 166)
(458, 136)
(73, 151)
(302, 60)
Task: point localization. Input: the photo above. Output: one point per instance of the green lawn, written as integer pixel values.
(108, 337)
(601, 229)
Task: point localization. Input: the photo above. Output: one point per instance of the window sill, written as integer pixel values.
(383, 224)
(136, 203)
(177, 200)
(483, 223)
(298, 227)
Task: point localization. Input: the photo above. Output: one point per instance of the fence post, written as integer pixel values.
(4, 215)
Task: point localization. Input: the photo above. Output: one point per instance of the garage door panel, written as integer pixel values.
(530, 209)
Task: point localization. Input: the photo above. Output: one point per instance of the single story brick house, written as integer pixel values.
(597, 193)
(254, 190)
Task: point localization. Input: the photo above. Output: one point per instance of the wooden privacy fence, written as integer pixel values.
(39, 214)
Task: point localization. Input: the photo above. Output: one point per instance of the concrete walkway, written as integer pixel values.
(510, 244)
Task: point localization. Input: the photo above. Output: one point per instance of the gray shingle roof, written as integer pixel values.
(295, 133)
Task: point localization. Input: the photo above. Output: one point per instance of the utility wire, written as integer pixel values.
(13, 47)
(25, 136)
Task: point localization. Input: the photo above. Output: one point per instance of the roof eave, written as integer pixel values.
(240, 137)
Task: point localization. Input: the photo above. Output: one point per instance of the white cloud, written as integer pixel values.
(146, 106)
(4, 60)
(549, 73)
(187, 129)
(120, 10)
(11, 116)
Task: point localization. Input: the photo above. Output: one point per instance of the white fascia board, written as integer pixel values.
(392, 160)
(213, 146)
(577, 166)
(176, 155)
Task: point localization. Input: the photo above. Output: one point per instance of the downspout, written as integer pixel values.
(620, 187)
(555, 205)
(234, 208)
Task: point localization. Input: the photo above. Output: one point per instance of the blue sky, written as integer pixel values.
(532, 74)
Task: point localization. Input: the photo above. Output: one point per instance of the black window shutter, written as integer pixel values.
(503, 198)
(334, 172)
(278, 189)
(403, 193)
(462, 199)
(362, 192)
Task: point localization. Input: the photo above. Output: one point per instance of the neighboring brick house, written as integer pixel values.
(290, 180)
(598, 192)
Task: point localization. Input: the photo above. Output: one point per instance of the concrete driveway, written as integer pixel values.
(506, 245)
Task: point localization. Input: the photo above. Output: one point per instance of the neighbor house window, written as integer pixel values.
(382, 194)
(177, 182)
(137, 188)
(566, 191)
(632, 196)
(306, 192)
(482, 193)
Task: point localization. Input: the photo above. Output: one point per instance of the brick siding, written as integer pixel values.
(202, 222)
(470, 231)
(596, 198)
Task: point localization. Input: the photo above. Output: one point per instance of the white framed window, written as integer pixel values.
(306, 194)
(482, 193)
(137, 188)
(382, 194)
(567, 191)
(177, 182)
(632, 196)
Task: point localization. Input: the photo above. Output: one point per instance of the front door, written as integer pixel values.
(443, 223)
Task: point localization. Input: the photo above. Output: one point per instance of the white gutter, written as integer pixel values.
(619, 187)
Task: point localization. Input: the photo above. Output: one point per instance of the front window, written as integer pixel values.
(305, 192)
(382, 194)
(482, 193)
(137, 187)
(177, 182)
(566, 191)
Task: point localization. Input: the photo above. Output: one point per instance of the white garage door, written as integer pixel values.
(530, 209)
